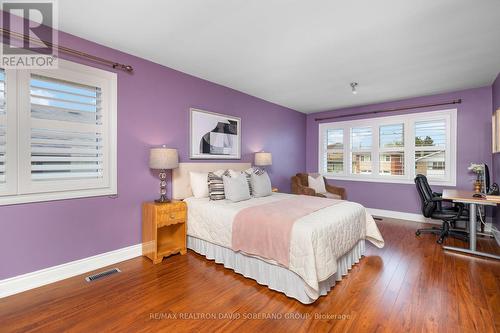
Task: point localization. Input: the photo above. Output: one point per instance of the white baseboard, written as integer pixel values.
(401, 215)
(422, 219)
(48, 275)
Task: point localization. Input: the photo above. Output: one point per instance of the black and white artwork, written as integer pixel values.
(214, 135)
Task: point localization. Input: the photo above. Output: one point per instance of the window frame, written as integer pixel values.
(393, 150)
(409, 148)
(335, 150)
(10, 185)
(21, 189)
(359, 150)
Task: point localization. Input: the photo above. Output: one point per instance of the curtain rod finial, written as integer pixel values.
(127, 68)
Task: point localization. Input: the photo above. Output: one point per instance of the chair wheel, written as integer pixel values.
(417, 233)
(440, 241)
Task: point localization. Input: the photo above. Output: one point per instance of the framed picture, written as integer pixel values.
(495, 136)
(214, 135)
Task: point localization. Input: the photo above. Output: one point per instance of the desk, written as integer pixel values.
(466, 197)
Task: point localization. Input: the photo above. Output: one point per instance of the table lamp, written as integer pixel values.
(263, 159)
(163, 159)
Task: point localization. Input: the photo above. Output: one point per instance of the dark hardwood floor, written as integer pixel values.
(410, 285)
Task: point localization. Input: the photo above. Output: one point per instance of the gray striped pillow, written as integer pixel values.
(216, 186)
(248, 174)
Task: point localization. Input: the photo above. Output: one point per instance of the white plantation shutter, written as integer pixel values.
(8, 133)
(58, 153)
(57, 133)
(67, 147)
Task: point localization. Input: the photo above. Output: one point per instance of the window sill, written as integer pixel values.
(56, 196)
(388, 180)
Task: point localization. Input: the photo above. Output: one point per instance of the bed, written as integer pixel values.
(324, 244)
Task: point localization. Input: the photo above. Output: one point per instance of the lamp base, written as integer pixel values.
(163, 188)
(163, 200)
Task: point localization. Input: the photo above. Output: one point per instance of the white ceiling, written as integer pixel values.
(304, 53)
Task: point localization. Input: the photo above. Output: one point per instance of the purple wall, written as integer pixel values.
(474, 145)
(153, 105)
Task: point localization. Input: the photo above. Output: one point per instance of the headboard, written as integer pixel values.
(181, 184)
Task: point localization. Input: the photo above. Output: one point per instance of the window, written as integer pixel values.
(430, 148)
(391, 149)
(361, 156)
(8, 133)
(64, 134)
(335, 151)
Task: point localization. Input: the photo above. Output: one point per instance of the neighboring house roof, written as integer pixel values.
(431, 156)
(335, 146)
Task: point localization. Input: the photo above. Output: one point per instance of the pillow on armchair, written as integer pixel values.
(302, 185)
(317, 184)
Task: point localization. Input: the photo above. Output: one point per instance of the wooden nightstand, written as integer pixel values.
(163, 229)
(275, 189)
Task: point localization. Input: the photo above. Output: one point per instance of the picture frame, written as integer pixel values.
(214, 135)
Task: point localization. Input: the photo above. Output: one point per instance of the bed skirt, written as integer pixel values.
(273, 276)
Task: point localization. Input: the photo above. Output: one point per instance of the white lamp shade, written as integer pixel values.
(163, 158)
(263, 159)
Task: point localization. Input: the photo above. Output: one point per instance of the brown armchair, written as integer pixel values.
(300, 186)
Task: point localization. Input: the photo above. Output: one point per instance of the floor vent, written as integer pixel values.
(98, 276)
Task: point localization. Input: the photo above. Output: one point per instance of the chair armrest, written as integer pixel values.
(304, 190)
(438, 200)
(307, 191)
(336, 190)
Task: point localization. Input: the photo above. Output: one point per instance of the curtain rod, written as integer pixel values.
(67, 50)
(455, 101)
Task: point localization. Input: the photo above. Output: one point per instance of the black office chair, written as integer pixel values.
(432, 208)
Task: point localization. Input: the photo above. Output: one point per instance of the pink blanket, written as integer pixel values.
(266, 230)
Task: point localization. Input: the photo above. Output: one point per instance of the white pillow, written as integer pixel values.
(261, 185)
(199, 184)
(317, 184)
(236, 188)
(219, 173)
(234, 173)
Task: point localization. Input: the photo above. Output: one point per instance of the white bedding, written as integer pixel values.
(317, 241)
